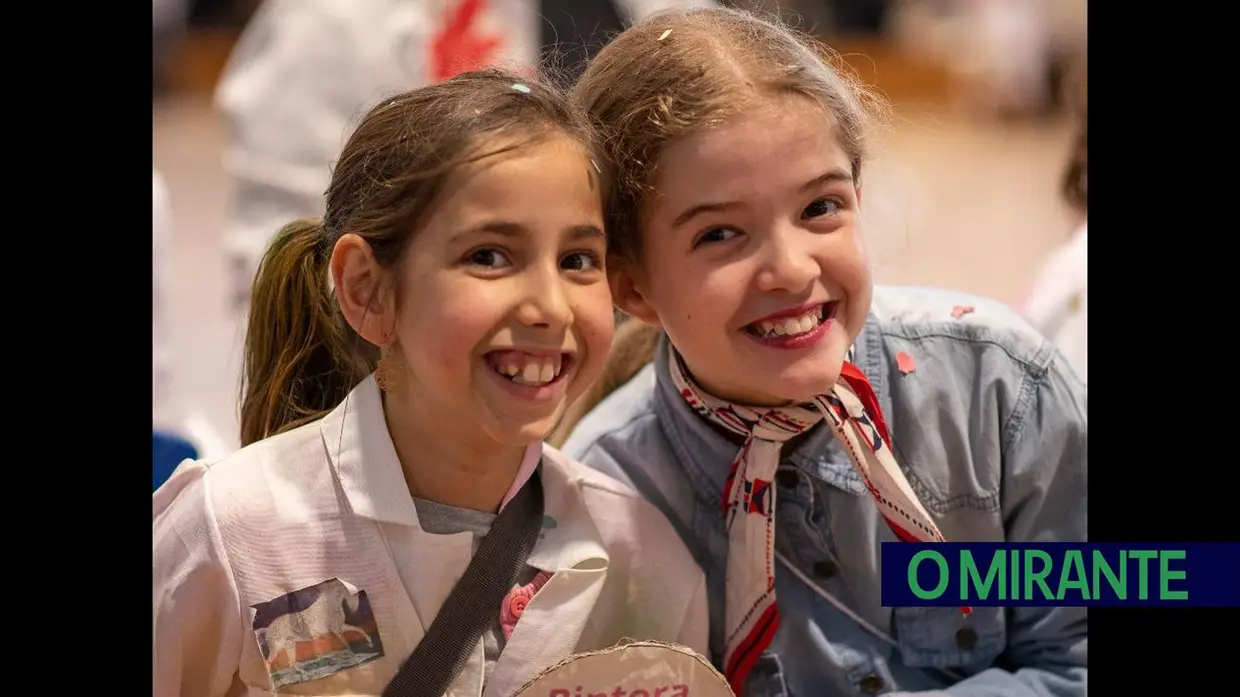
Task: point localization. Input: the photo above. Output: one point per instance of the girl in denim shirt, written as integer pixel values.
(734, 230)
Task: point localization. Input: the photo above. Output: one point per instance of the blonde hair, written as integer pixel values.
(680, 71)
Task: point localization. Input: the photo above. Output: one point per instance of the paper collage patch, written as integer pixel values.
(315, 632)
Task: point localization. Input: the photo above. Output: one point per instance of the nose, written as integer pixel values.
(786, 263)
(545, 301)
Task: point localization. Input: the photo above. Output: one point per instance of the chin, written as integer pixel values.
(804, 381)
(804, 388)
(525, 432)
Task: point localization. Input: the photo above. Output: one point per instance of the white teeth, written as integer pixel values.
(533, 372)
(791, 326)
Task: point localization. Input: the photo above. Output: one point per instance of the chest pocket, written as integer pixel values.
(942, 637)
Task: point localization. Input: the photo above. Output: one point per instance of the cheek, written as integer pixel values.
(692, 299)
(849, 270)
(443, 326)
(595, 322)
(844, 256)
(698, 310)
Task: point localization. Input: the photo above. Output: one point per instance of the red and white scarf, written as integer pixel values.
(852, 410)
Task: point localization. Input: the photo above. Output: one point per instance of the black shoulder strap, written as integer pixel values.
(474, 603)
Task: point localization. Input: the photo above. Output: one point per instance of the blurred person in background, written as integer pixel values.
(168, 27)
(167, 24)
(170, 447)
(161, 369)
(180, 430)
(302, 70)
(1009, 55)
(168, 19)
(1058, 302)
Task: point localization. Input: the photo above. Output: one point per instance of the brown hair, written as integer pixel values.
(301, 357)
(671, 75)
(679, 71)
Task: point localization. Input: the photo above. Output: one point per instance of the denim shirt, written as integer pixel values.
(990, 429)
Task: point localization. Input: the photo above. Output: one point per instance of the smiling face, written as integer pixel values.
(505, 313)
(751, 257)
(502, 312)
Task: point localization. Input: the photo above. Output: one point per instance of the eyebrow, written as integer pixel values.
(830, 177)
(507, 228)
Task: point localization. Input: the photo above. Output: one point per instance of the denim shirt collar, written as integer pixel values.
(706, 455)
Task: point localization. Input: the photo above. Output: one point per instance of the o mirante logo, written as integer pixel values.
(1067, 574)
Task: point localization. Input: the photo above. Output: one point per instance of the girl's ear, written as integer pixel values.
(628, 291)
(362, 290)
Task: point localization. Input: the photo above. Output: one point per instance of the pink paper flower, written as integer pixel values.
(517, 599)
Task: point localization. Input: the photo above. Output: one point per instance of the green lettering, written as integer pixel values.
(1143, 575)
(1015, 567)
(1165, 574)
(1038, 577)
(1073, 563)
(912, 574)
(969, 572)
(1119, 585)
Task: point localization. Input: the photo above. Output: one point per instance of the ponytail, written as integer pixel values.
(299, 354)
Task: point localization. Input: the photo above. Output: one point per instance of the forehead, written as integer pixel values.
(537, 178)
(782, 143)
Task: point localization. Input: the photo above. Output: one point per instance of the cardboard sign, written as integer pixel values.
(630, 669)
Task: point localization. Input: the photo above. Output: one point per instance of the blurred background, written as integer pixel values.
(965, 190)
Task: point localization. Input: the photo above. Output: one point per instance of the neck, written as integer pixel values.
(456, 469)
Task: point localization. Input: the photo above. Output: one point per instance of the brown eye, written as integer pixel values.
(580, 261)
(719, 234)
(490, 258)
(821, 207)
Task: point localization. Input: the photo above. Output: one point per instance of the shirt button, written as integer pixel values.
(787, 478)
(966, 638)
(825, 569)
(871, 684)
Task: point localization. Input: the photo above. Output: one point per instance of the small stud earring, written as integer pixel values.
(387, 373)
